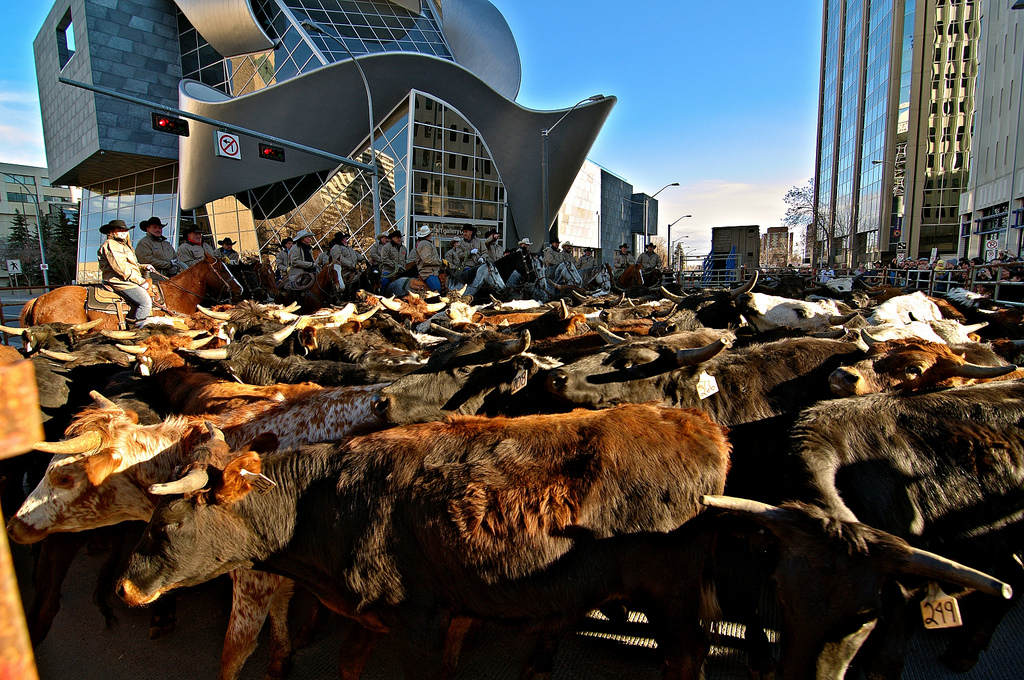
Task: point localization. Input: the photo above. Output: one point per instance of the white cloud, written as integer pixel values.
(21, 127)
(720, 203)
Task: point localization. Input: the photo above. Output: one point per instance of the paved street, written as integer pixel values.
(80, 648)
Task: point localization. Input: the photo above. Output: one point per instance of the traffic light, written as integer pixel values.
(164, 123)
(272, 153)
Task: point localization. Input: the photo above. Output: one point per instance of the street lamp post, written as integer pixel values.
(647, 200)
(669, 240)
(39, 227)
(544, 156)
(375, 183)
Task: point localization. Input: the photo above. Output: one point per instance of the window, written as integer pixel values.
(65, 39)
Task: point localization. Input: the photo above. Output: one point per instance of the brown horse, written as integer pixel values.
(182, 292)
(327, 289)
(631, 277)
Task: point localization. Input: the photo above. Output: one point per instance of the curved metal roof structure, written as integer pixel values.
(228, 25)
(481, 40)
(317, 109)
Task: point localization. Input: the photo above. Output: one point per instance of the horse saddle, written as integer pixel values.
(105, 299)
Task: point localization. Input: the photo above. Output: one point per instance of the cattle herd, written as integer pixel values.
(424, 465)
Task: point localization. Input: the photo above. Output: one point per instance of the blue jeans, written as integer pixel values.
(384, 281)
(433, 283)
(138, 298)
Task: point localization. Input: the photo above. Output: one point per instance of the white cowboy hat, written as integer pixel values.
(423, 231)
(526, 242)
(302, 234)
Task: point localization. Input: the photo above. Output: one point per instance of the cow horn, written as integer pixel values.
(982, 372)
(366, 315)
(739, 504)
(609, 337)
(57, 356)
(974, 328)
(563, 311)
(671, 296)
(11, 330)
(840, 320)
(446, 332)
(193, 481)
(212, 354)
(214, 432)
(119, 335)
(670, 312)
(131, 349)
(90, 441)
(495, 300)
(293, 307)
(283, 334)
(517, 346)
(436, 307)
(745, 288)
(391, 303)
(692, 357)
(196, 344)
(220, 316)
(932, 566)
(87, 326)
(876, 294)
(579, 298)
(868, 339)
(102, 401)
(462, 291)
(195, 333)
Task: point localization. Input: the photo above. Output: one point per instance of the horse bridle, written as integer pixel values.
(227, 287)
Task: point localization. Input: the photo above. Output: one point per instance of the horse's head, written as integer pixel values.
(494, 276)
(330, 282)
(220, 282)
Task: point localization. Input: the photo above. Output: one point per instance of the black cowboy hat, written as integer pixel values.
(491, 231)
(469, 227)
(226, 242)
(190, 228)
(624, 245)
(650, 245)
(393, 233)
(153, 222)
(114, 224)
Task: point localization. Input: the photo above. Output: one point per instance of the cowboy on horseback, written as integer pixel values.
(465, 254)
(650, 265)
(621, 262)
(300, 257)
(428, 263)
(394, 256)
(227, 252)
(121, 270)
(587, 259)
(343, 255)
(155, 249)
(492, 251)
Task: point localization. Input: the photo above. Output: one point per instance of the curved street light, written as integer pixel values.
(671, 253)
(39, 226)
(544, 155)
(375, 183)
(647, 200)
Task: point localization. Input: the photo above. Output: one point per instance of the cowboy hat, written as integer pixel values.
(423, 231)
(187, 229)
(469, 227)
(154, 222)
(113, 225)
(650, 245)
(624, 245)
(393, 233)
(226, 242)
(491, 231)
(302, 234)
(526, 242)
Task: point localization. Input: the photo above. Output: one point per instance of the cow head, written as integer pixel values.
(195, 534)
(910, 365)
(98, 476)
(471, 375)
(637, 372)
(829, 580)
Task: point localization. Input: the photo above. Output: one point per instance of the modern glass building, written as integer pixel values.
(896, 96)
(450, 144)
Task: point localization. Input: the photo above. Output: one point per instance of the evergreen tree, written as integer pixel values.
(62, 247)
(23, 244)
(18, 237)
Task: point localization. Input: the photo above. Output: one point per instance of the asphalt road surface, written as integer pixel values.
(79, 647)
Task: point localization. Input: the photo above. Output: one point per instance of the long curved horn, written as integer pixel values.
(11, 330)
(563, 311)
(745, 288)
(868, 339)
(739, 504)
(57, 356)
(932, 566)
(517, 346)
(692, 357)
(283, 334)
(86, 327)
(974, 328)
(212, 354)
(194, 334)
(670, 312)
(214, 432)
(102, 401)
(446, 332)
(292, 308)
(436, 307)
(196, 344)
(462, 291)
(193, 481)
(120, 335)
(579, 298)
(609, 337)
(391, 303)
(982, 372)
(220, 316)
(671, 296)
(90, 441)
(367, 314)
(132, 349)
(840, 320)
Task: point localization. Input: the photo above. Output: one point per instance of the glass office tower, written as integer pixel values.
(896, 98)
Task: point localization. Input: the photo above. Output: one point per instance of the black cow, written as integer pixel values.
(479, 516)
(755, 382)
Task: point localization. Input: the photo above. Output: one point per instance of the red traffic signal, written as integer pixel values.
(164, 123)
(272, 153)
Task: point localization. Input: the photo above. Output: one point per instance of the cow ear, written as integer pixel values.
(132, 415)
(233, 487)
(101, 465)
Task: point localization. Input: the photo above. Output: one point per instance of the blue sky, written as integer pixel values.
(718, 96)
